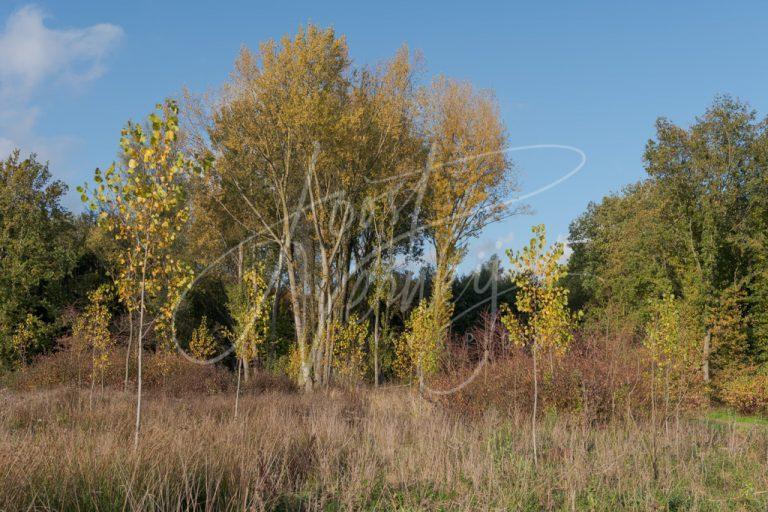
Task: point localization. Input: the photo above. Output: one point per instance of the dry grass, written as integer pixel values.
(365, 450)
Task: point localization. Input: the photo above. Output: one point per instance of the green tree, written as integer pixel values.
(249, 305)
(37, 251)
(695, 227)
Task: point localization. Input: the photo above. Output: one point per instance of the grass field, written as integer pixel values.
(361, 450)
(730, 417)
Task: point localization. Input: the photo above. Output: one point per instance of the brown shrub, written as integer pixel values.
(747, 392)
(171, 373)
(600, 378)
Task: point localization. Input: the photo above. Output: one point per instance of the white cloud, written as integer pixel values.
(33, 56)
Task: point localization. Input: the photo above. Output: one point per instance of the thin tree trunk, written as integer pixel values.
(319, 344)
(376, 344)
(93, 378)
(276, 302)
(346, 259)
(705, 362)
(237, 392)
(535, 407)
(79, 368)
(128, 350)
(305, 377)
(139, 342)
(240, 263)
(654, 466)
(666, 400)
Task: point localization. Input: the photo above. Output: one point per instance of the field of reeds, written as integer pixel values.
(388, 449)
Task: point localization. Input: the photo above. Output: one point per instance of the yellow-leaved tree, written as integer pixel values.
(141, 202)
(202, 344)
(348, 348)
(418, 350)
(91, 330)
(25, 337)
(543, 321)
(250, 306)
(465, 180)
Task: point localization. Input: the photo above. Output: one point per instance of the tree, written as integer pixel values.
(202, 345)
(27, 337)
(623, 254)
(466, 178)
(296, 142)
(695, 228)
(249, 305)
(670, 351)
(704, 173)
(37, 251)
(543, 320)
(418, 349)
(349, 341)
(142, 203)
(91, 330)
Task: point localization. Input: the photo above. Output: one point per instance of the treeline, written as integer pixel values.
(687, 246)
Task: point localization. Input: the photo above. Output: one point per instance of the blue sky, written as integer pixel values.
(592, 75)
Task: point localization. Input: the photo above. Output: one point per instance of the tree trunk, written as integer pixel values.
(305, 378)
(139, 343)
(654, 463)
(535, 407)
(346, 259)
(128, 350)
(320, 345)
(376, 344)
(246, 369)
(237, 392)
(240, 263)
(706, 352)
(276, 302)
(93, 377)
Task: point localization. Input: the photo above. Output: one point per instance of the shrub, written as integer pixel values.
(166, 372)
(349, 340)
(202, 345)
(30, 338)
(600, 378)
(418, 350)
(747, 392)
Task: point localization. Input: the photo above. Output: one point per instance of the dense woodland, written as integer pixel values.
(308, 219)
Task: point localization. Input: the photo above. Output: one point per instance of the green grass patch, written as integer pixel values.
(727, 416)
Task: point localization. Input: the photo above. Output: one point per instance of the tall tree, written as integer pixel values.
(142, 203)
(37, 251)
(297, 140)
(695, 228)
(466, 179)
